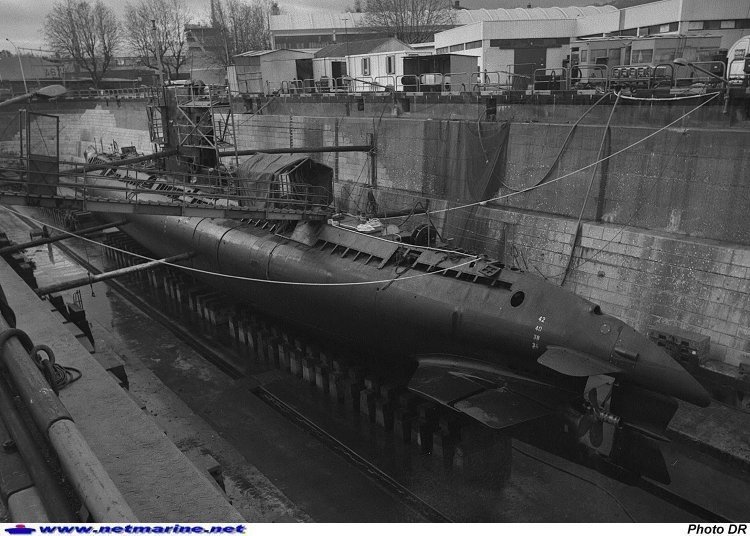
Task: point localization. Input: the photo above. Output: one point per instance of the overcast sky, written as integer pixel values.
(22, 19)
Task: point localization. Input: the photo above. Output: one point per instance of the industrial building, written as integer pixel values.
(263, 71)
(522, 40)
(373, 61)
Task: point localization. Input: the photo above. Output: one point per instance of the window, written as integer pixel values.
(456, 48)
(441, 50)
(695, 25)
(366, 66)
(727, 25)
(664, 56)
(473, 44)
(642, 56)
(663, 28)
(584, 56)
(598, 53)
(390, 64)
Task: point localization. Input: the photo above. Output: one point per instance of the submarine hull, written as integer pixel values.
(414, 300)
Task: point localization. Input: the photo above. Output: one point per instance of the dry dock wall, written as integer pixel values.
(82, 124)
(671, 246)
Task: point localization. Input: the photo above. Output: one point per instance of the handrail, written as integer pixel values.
(206, 192)
(390, 80)
(451, 79)
(412, 83)
(697, 76)
(642, 76)
(518, 79)
(555, 79)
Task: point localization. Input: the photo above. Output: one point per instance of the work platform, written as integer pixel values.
(156, 479)
(166, 198)
(110, 206)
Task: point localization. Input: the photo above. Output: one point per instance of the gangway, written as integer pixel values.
(163, 194)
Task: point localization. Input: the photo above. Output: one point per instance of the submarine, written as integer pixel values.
(498, 344)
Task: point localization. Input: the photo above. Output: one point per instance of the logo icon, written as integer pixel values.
(20, 529)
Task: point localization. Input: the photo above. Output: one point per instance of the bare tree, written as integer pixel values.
(169, 44)
(87, 33)
(240, 26)
(412, 21)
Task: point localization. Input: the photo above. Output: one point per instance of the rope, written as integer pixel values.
(579, 477)
(473, 259)
(570, 174)
(635, 213)
(437, 211)
(58, 376)
(685, 97)
(556, 162)
(577, 234)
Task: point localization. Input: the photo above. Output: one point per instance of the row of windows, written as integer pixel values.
(619, 56)
(719, 24)
(732, 24)
(457, 48)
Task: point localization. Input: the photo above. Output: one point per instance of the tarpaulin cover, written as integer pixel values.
(283, 180)
(474, 173)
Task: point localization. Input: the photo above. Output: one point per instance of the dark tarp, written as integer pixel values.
(284, 181)
(474, 173)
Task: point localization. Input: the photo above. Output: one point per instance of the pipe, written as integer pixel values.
(49, 240)
(292, 150)
(53, 498)
(94, 486)
(47, 411)
(90, 279)
(119, 163)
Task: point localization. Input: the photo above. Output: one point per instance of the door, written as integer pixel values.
(338, 72)
(526, 61)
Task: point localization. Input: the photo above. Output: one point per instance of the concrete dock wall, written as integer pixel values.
(671, 243)
(84, 123)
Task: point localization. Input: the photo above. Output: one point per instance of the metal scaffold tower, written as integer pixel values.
(195, 117)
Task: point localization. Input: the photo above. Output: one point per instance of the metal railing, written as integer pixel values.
(109, 94)
(550, 79)
(692, 74)
(492, 81)
(386, 81)
(641, 77)
(520, 82)
(137, 186)
(589, 77)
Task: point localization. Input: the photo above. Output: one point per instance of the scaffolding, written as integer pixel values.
(195, 116)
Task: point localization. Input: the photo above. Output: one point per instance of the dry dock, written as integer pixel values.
(276, 469)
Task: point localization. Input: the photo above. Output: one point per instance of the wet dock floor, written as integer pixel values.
(324, 485)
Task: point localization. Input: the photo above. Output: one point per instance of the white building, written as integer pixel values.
(729, 19)
(527, 40)
(517, 40)
(265, 71)
(381, 68)
(364, 60)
